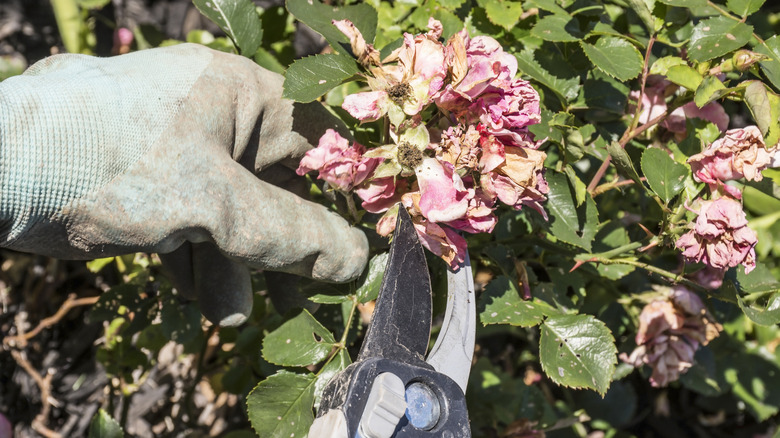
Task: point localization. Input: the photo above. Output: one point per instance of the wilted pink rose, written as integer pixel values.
(507, 109)
(713, 112)
(380, 194)
(365, 53)
(405, 88)
(653, 100)
(657, 91)
(479, 217)
(740, 153)
(341, 165)
(443, 197)
(439, 239)
(460, 148)
(670, 332)
(720, 237)
(519, 180)
(486, 62)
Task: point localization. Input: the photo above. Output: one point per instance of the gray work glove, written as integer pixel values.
(159, 151)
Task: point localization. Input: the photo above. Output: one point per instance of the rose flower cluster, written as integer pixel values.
(720, 237)
(458, 138)
(670, 332)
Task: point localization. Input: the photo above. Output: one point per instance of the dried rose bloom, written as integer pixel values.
(366, 53)
(405, 88)
(654, 104)
(740, 153)
(720, 237)
(670, 332)
(341, 165)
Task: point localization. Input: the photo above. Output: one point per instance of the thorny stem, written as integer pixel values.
(675, 278)
(613, 185)
(632, 131)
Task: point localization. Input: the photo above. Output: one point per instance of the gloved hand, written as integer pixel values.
(159, 151)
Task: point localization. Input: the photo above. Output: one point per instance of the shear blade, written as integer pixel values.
(454, 348)
(401, 324)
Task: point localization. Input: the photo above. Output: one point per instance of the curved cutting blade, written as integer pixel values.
(401, 325)
(454, 348)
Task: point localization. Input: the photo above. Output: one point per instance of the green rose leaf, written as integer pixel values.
(103, 426)
(557, 28)
(664, 175)
(335, 366)
(239, 20)
(615, 57)
(717, 36)
(765, 108)
(684, 76)
(281, 405)
(662, 65)
(766, 312)
(300, 341)
(504, 13)
(568, 223)
(710, 89)
(371, 282)
(578, 351)
(311, 77)
(565, 89)
(744, 7)
(685, 3)
(771, 67)
(501, 303)
(319, 17)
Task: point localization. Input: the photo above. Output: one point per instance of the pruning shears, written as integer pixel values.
(393, 389)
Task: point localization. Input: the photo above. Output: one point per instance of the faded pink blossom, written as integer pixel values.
(439, 239)
(460, 148)
(654, 104)
(405, 88)
(443, 197)
(123, 39)
(740, 153)
(709, 277)
(519, 180)
(670, 332)
(342, 166)
(365, 53)
(653, 100)
(486, 63)
(380, 194)
(479, 217)
(720, 237)
(507, 109)
(712, 112)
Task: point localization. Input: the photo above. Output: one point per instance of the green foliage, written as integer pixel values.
(103, 426)
(309, 78)
(280, 406)
(615, 57)
(717, 36)
(602, 254)
(298, 342)
(664, 175)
